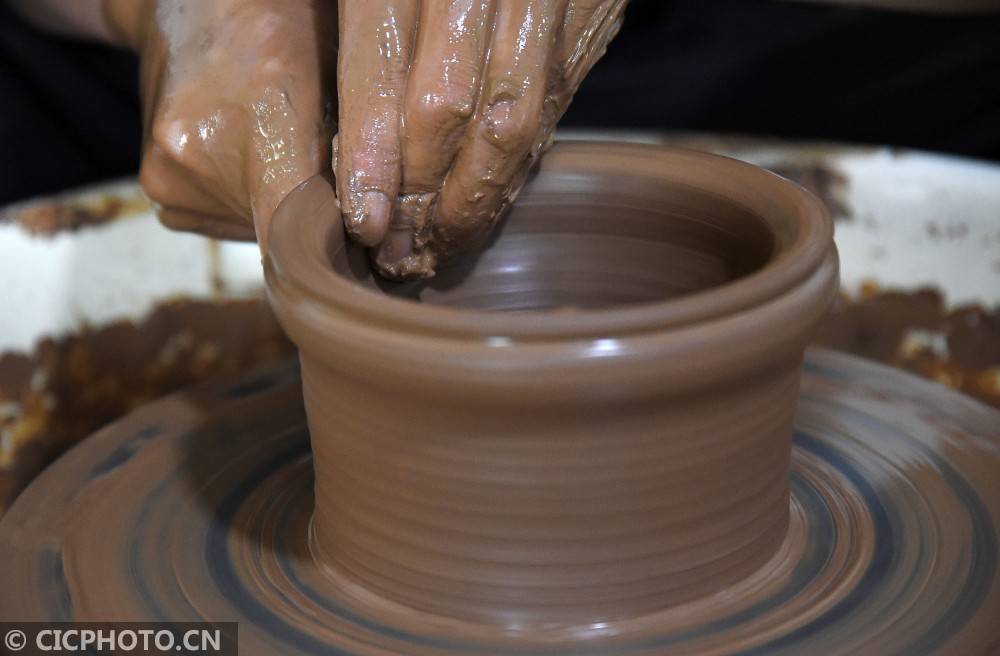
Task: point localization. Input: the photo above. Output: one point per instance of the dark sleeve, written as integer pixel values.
(69, 114)
(802, 70)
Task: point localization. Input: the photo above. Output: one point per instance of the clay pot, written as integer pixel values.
(589, 420)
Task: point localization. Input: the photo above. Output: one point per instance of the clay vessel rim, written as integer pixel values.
(301, 228)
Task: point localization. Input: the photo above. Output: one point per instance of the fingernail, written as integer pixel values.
(396, 245)
(396, 259)
(370, 218)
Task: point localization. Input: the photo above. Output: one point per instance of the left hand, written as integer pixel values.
(235, 99)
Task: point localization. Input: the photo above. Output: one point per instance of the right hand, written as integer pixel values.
(444, 107)
(236, 100)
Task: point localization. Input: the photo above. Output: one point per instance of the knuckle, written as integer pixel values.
(442, 108)
(152, 180)
(163, 133)
(513, 130)
(270, 71)
(173, 137)
(174, 221)
(514, 116)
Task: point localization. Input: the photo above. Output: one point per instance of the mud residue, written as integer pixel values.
(50, 218)
(916, 331)
(70, 387)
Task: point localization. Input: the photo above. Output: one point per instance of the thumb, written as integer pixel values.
(289, 144)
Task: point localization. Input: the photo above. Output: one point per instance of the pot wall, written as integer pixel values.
(594, 454)
(563, 515)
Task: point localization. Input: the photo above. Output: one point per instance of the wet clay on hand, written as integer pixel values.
(235, 94)
(445, 105)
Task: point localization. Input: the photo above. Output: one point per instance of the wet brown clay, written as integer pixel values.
(616, 441)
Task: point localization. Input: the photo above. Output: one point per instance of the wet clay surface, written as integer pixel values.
(891, 546)
(581, 373)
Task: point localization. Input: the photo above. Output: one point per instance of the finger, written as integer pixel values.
(589, 26)
(375, 48)
(441, 95)
(290, 122)
(164, 174)
(286, 136)
(289, 145)
(400, 255)
(180, 198)
(170, 173)
(216, 227)
(396, 258)
(507, 123)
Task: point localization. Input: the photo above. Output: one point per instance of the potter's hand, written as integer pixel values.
(444, 104)
(234, 96)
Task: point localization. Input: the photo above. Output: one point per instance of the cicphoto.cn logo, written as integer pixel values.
(219, 639)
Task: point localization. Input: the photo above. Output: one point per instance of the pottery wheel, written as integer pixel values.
(197, 507)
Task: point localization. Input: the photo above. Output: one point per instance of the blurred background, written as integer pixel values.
(891, 117)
